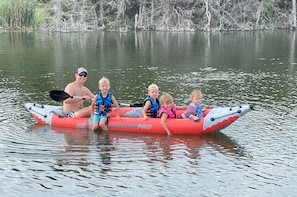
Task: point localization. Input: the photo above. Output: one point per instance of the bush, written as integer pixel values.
(17, 14)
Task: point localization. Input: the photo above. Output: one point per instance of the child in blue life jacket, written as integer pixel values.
(167, 110)
(194, 110)
(150, 107)
(102, 104)
(151, 103)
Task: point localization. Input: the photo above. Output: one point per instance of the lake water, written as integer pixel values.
(255, 156)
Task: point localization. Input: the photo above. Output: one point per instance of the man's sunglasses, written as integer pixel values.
(83, 74)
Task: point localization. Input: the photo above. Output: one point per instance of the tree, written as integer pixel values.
(72, 15)
(294, 13)
(163, 15)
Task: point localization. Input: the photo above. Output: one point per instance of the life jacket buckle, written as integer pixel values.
(101, 108)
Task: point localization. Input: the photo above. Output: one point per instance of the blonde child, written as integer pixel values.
(101, 105)
(151, 103)
(167, 110)
(194, 110)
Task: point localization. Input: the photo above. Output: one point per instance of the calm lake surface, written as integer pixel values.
(255, 156)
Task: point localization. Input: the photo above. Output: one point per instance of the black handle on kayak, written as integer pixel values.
(131, 105)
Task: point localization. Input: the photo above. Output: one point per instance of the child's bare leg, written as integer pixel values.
(95, 126)
(102, 124)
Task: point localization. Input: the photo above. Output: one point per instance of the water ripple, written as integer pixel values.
(255, 156)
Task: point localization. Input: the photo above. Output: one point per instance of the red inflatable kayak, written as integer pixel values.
(213, 120)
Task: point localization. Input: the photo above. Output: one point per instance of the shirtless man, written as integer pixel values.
(74, 106)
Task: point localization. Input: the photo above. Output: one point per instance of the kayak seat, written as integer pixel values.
(59, 112)
(135, 113)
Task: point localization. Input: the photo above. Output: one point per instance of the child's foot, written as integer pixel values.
(197, 120)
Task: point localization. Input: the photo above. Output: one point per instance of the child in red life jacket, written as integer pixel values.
(167, 110)
(194, 110)
(101, 106)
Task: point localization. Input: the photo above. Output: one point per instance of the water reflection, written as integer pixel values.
(163, 148)
(81, 144)
(104, 145)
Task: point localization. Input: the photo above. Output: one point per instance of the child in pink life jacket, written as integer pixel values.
(167, 110)
(194, 110)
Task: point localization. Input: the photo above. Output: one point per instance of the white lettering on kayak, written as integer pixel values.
(80, 125)
(134, 126)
